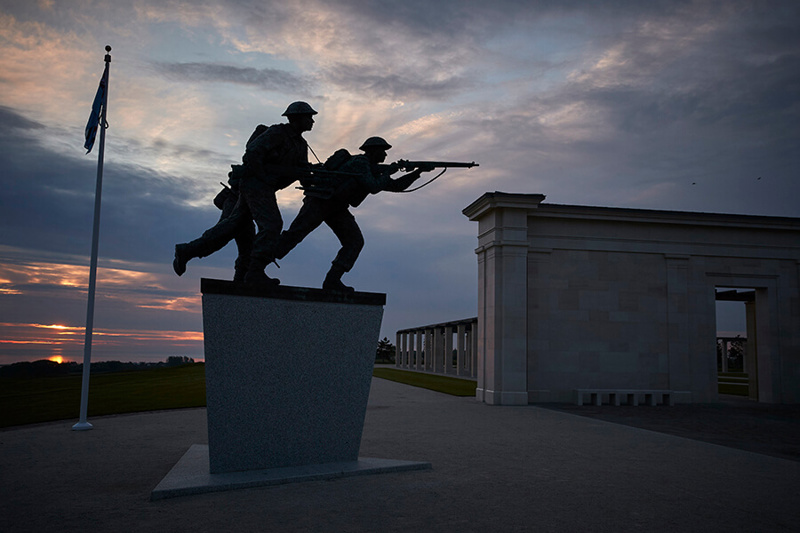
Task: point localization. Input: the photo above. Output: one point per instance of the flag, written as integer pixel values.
(97, 112)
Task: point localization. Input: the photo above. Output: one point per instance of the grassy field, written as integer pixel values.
(35, 400)
(446, 384)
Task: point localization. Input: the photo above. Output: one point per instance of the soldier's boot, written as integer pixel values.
(255, 274)
(240, 268)
(239, 275)
(333, 280)
(183, 253)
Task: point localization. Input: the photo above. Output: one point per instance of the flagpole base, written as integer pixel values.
(82, 426)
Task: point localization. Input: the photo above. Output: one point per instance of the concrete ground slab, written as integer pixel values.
(191, 474)
(496, 469)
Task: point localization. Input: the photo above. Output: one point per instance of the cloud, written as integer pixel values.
(12, 120)
(269, 79)
(376, 82)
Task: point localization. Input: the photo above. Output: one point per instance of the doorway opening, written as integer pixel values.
(736, 342)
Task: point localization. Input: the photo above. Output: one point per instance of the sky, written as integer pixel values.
(678, 105)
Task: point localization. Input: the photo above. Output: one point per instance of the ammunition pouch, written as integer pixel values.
(222, 197)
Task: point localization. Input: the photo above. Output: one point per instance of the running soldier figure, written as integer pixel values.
(267, 166)
(333, 208)
(217, 237)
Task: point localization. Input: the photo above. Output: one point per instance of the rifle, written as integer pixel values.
(403, 164)
(428, 165)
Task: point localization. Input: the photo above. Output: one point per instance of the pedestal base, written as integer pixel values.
(288, 372)
(191, 474)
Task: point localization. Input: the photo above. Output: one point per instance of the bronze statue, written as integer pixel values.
(273, 160)
(215, 238)
(329, 198)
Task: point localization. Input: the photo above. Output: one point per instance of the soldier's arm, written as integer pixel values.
(360, 166)
(404, 182)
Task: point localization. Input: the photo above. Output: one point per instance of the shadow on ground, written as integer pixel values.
(734, 422)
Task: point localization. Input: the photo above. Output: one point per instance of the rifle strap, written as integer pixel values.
(427, 182)
(313, 152)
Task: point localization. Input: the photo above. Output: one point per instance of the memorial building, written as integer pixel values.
(598, 301)
(612, 305)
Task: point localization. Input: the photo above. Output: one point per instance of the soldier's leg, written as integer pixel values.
(213, 239)
(344, 226)
(244, 237)
(311, 215)
(244, 244)
(264, 210)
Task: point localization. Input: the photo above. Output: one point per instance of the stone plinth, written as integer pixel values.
(288, 373)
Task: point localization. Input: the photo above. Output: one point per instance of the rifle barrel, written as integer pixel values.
(436, 164)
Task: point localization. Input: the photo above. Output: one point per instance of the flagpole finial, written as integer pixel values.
(108, 53)
(108, 48)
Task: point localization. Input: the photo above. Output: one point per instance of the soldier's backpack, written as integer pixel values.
(236, 173)
(325, 186)
(261, 128)
(339, 158)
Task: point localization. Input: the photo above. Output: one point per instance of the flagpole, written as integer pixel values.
(83, 424)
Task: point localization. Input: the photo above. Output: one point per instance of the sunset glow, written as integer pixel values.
(58, 342)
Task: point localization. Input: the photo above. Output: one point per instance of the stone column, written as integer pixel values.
(447, 349)
(412, 349)
(420, 347)
(683, 374)
(406, 354)
(437, 350)
(502, 295)
(430, 350)
(751, 358)
(473, 349)
(726, 345)
(398, 353)
(461, 359)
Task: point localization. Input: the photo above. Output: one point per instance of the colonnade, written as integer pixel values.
(447, 348)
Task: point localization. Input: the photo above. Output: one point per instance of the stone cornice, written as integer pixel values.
(666, 217)
(285, 292)
(495, 200)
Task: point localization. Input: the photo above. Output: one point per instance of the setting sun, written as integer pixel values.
(57, 359)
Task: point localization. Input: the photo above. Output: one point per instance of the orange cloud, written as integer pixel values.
(116, 283)
(73, 337)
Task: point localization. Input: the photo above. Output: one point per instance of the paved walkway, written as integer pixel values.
(494, 469)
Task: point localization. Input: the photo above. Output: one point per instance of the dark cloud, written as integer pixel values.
(11, 120)
(465, 18)
(372, 82)
(48, 201)
(266, 78)
(691, 97)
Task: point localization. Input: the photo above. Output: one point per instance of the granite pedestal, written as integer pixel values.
(288, 373)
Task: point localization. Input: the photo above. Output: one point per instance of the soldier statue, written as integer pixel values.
(361, 175)
(267, 166)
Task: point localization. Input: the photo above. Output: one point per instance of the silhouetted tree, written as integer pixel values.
(178, 360)
(385, 353)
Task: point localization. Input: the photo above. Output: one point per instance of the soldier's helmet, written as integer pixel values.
(299, 108)
(375, 142)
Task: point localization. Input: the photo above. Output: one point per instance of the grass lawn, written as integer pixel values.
(46, 399)
(33, 400)
(446, 384)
